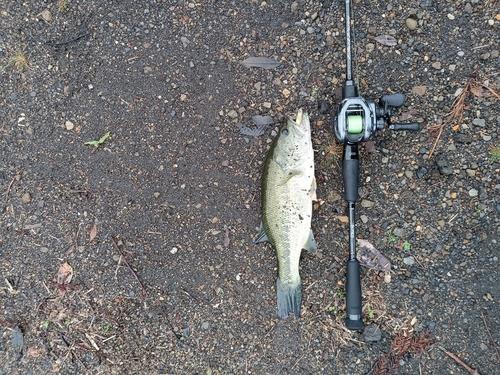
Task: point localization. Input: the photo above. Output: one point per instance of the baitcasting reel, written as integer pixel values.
(355, 120)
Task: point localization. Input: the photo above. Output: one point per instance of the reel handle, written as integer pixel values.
(412, 126)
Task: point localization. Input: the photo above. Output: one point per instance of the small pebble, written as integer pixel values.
(399, 232)
(411, 24)
(46, 15)
(372, 334)
(409, 261)
(473, 192)
(436, 65)
(232, 114)
(26, 198)
(69, 125)
(421, 172)
(367, 204)
(479, 122)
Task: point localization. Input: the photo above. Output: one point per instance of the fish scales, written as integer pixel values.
(288, 187)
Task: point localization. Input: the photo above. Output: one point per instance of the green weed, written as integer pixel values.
(371, 314)
(339, 293)
(495, 154)
(332, 152)
(100, 141)
(106, 328)
(390, 237)
(406, 245)
(62, 5)
(20, 61)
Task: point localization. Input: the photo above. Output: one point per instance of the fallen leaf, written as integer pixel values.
(262, 120)
(370, 147)
(386, 40)
(480, 91)
(407, 115)
(93, 232)
(260, 62)
(65, 274)
(226, 238)
(370, 257)
(17, 341)
(419, 90)
(34, 352)
(254, 131)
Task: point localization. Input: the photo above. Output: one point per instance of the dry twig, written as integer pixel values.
(455, 114)
(458, 107)
(404, 343)
(491, 337)
(460, 362)
(127, 264)
(8, 189)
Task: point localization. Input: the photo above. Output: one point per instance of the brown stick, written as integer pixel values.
(460, 362)
(492, 91)
(437, 139)
(126, 262)
(491, 338)
(8, 189)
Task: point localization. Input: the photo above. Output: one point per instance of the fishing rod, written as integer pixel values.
(355, 119)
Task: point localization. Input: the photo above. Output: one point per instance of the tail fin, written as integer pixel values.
(289, 299)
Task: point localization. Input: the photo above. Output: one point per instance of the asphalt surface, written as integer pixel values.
(157, 222)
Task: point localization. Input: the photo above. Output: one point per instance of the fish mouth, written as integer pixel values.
(301, 123)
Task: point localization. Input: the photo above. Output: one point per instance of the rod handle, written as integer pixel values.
(353, 296)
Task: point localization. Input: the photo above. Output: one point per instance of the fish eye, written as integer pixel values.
(284, 131)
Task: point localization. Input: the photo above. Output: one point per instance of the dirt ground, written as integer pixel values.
(151, 230)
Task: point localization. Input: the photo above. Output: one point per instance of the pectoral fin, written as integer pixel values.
(262, 237)
(312, 191)
(286, 177)
(311, 244)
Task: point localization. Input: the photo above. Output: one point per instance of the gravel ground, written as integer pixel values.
(157, 222)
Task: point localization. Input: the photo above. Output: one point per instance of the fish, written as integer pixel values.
(288, 189)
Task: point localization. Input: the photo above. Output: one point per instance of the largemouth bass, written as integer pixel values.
(288, 188)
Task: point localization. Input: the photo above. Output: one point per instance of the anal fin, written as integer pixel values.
(310, 245)
(262, 237)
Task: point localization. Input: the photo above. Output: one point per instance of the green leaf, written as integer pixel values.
(100, 141)
(104, 137)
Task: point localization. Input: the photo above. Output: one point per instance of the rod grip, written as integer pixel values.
(353, 296)
(350, 172)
